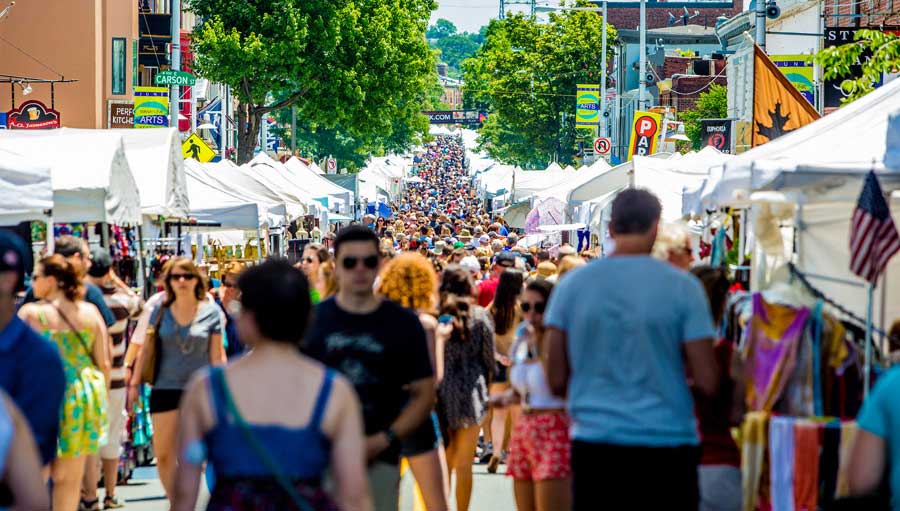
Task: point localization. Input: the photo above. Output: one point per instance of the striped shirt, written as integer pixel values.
(124, 305)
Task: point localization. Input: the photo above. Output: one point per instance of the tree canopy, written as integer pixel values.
(441, 28)
(712, 104)
(453, 47)
(360, 64)
(525, 76)
(878, 53)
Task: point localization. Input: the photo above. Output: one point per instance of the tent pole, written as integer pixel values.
(259, 243)
(141, 267)
(867, 371)
(50, 245)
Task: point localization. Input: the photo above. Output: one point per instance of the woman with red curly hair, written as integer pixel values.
(410, 280)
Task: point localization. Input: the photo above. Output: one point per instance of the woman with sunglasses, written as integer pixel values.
(79, 332)
(188, 337)
(314, 255)
(540, 451)
(467, 334)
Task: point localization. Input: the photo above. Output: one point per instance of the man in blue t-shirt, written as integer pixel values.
(31, 370)
(619, 333)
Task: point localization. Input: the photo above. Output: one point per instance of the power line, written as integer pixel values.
(32, 57)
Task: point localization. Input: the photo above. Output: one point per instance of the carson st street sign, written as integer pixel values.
(169, 78)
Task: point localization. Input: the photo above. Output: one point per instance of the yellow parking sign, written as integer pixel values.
(196, 148)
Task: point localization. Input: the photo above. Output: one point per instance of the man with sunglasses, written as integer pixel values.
(381, 348)
(620, 331)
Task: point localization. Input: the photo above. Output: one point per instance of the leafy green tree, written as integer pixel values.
(884, 51)
(712, 104)
(525, 76)
(441, 28)
(361, 64)
(456, 48)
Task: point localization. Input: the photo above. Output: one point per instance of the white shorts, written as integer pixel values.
(116, 434)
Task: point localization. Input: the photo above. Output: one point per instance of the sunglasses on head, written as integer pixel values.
(350, 262)
(182, 276)
(538, 307)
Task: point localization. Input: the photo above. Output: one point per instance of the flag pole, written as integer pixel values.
(867, 371)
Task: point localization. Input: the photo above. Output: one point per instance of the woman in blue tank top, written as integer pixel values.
(273, 421)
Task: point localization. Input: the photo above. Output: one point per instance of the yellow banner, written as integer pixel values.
(151, 107)
(778, 107)
(587, 106)
(644, 134)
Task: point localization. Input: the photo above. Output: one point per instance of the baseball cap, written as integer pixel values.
(100, 262)
(13, 256)
(470, 263)
(505, 257)
(459, 244)
(484, 239)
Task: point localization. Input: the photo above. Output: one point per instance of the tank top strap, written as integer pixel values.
(217, 395)
(322, 400)
(42, 317)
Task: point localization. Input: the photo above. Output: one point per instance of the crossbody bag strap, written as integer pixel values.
(260, 450)
(81, 338)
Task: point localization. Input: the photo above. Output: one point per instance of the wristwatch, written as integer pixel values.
(393, 440)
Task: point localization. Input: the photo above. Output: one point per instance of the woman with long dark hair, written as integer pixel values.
(540, 453)
(507, 316)
(467, 333)
(188, 336)
(314, 256)
(77, 328)
(273, 421)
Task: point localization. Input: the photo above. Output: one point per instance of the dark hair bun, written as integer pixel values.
(64, 272)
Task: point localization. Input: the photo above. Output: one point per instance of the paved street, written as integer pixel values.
(492, 492)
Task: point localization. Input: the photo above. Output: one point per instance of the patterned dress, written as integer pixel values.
(468, 370)
(83, 421)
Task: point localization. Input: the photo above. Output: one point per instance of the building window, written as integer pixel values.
(118, 65)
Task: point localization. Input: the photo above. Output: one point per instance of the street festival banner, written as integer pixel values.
(778, 107)
(587, 106)
(151, 107)
(644, 134)
(799, 71)
(470, 117)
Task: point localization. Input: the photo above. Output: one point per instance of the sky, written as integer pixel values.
(469, 15)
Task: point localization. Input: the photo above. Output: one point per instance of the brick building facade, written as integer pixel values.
(627, 15)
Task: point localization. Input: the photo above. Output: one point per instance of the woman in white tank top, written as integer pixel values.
(540, 449)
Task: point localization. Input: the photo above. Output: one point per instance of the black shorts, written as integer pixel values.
(615, 477)
(425, 438)
(164, 400)
(500, 375)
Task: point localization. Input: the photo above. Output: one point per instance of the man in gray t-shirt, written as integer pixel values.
(619, 331)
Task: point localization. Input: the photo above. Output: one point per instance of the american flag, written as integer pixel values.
(873, 235)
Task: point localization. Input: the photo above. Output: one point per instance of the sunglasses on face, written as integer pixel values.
(537, 306)
(182, 276)
(350, 262)
(308, 259)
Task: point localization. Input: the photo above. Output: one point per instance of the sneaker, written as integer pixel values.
(113, 503)
(89, 505)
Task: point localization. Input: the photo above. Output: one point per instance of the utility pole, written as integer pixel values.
(761, 24)
(604, 121)
(642, 76)
(175, 62)
(293, 130)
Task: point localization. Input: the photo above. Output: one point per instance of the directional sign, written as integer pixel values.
(196, 148)
(331, 166)
(169, 77)
(602, 145)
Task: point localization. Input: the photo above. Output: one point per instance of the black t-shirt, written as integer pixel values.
(380, 353)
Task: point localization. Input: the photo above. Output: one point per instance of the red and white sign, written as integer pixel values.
(602, 145)
(331, 166)
(32, 115)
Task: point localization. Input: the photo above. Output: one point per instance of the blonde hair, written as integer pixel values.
(671, 237)
(567, 263)
(410, 280)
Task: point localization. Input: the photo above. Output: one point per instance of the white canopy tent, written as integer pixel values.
(574, 180)
(672, 178)
(212, 205)
(154, 157)
(316, 185)
(92, 181)
(26, 188)
(277, 176)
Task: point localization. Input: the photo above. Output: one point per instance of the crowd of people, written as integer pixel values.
(432, 336)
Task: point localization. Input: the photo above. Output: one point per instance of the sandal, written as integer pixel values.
(89, 505)
(113, 503)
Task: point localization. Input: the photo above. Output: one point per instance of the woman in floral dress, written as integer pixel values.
(80, 333)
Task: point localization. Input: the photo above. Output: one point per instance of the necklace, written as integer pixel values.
(182, 339)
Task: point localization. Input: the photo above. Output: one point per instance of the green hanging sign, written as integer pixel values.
(169, 78)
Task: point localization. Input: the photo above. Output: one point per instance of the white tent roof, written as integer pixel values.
(26, 188)
(154, 157)
(562, 190)
(314, 167)
(277, 176)
(553, 167)
(92, 181)
(854, 136)
(157, 164)
(209, 204)
(530, 182)
(673, 178)
(312, 182)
